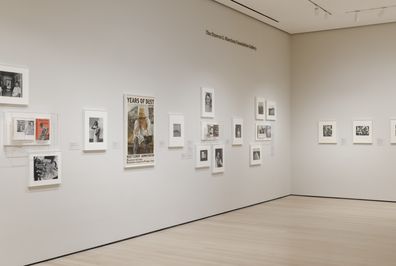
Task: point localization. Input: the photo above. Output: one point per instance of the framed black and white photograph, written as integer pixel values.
(218, 165)
(14, 85)
(207, 103)
(271, 110)
(176, 130)
(363, 132)
(45, 168)
(24, 129)
(210, 130)
(139, 131)
(393, 131)
(255, 154)
(327, 132)
(263, 131)
(95, 130)
(237, 131)
(260, 108)
(202, 156)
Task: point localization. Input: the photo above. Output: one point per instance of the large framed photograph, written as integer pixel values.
(176, 130)
(263, 131)
(327, 132)
(202, 156)
(237, 131)
(255, 154)
(218, 164)
(14, 85)
(45, 168)
(210, 130)
(393, 131)
(271, 110)
(24, 129)
(139, 131)
(95, 130)
(260, 108)
(207, 103)
(363, 132)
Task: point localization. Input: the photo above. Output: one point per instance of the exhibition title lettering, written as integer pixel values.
(141, 100)
(225, 38)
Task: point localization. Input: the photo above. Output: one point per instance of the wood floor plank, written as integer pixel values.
(295, 231)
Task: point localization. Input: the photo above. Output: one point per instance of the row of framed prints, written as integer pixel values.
(362, 131)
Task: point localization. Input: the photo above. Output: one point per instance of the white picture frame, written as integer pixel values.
(176, 131)
(210, 130)
(207, 102)
(95, 130)
(237, 131)
(218, 158)
(327, 132)
(393, 131)
(45, 168)
(14, 85)
(263, 131)
(271, 111)
(256, 154)
(202, 156)
(260, 108)
(362, 132)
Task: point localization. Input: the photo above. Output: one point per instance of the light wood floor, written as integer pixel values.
(291, 231)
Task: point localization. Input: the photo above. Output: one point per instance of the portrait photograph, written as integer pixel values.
(218, 158)
(363, 132)
(327, 132)
(14, 87)
(393, 131)
(139, 121)
(44, 169)
(207, 103)
(95, 130)
(263, 131)
(255, 154)
(24, 129)
(210, 130)
(202, 156)
(237, 131)
(176, 130)
(43, 129)
(271, 110)
(260, 108)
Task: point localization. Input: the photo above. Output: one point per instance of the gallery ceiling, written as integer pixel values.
(298, 16)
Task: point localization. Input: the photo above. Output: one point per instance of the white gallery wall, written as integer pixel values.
(87, 54)
(344, 75)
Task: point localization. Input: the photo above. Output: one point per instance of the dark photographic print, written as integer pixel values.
(237, 138)
(271, 111)
(260, 108)
(362, 131)
(45, 169)
(268, 133)
(207, 102)
(203, 155)
(177, 130)
(95, 129)
(238, 131)
(219, 157)
(327, 130)
(255, 154)
(263, 131)
(211, 131)
(11, 84)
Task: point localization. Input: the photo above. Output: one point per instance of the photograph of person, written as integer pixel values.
(10, 84)
(238, 131)
(96, 129)
(42, 129)
(219, 158)
(142, 133)
(208, 102)
(176, 130)
(204, 155)
(45, 168)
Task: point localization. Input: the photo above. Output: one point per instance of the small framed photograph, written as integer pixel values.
(95, 130)
(202, 156)
(271, 110)
(14, 85)
(255, 154)
(210, 130)
(24, 129)
(363, 132)
(237, 131)
(218, 158)
(43, 130)
(393, 131)
(263, 131)
(327, 132)
(207, 103)
(260, 108)
(176, 130)
(45, 169)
